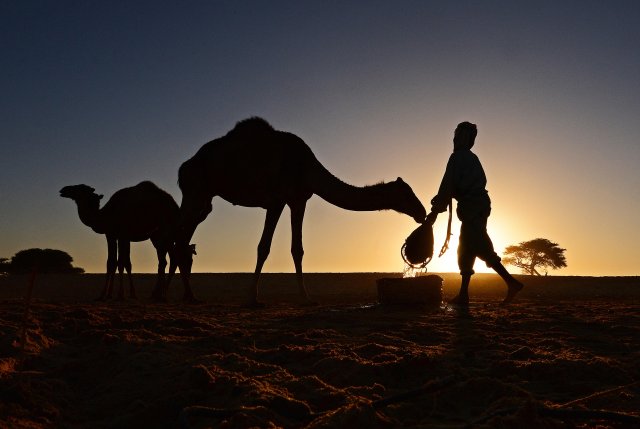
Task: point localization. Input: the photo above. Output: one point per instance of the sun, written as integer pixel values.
(448, 263)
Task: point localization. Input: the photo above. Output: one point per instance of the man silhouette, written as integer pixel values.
(464, 180)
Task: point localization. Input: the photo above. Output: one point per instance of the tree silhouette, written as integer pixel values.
(43, 260)
(538, 252)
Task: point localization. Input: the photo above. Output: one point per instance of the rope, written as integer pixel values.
(445, 246)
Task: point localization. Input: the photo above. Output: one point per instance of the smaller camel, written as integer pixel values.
(137, 213)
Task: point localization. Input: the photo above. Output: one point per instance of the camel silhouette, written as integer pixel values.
(137, 213)
(255, 165)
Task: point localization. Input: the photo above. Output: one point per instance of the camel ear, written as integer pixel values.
(100, 196)
(399, 179)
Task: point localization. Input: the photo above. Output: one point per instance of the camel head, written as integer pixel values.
(82, 194)
(406, 201)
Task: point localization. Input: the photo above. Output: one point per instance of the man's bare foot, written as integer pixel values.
(460, 300)
(514, 288)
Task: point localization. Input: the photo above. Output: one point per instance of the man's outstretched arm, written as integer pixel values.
(441, 201)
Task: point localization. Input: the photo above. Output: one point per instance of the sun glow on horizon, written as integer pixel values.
(448, 263)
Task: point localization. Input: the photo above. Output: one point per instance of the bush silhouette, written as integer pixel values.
(42, 260)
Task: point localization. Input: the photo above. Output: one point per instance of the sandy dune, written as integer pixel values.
(344, 363)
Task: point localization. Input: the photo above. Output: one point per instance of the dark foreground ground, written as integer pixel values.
(565, 351)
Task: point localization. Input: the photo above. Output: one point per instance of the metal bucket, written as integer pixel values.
(410, 291)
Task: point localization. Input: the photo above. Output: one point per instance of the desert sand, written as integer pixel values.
(565, 354)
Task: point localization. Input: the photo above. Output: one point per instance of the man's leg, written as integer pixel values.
(513, 285)
(474, 240)
(466, 260)
(462, 299)
(492, 260)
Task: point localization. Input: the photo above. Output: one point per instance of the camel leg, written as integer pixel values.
(173, 263)
(184, 257)
(124, 263)
(270, 222)
(193, 210)
(160, 291)
(112, 262)
(173, 266)
(297, 251)
(127, 266)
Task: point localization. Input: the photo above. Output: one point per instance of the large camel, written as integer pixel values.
(255, 165)
(137, 213)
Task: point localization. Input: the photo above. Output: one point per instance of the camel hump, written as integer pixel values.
(148, 185)
(145, 195)
(151, 189)
(252, 126)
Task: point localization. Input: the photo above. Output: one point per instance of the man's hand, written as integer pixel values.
(431, 218)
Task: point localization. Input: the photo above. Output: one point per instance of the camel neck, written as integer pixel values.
(356, 198)
(90, 216)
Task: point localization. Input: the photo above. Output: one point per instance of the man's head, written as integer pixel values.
(465, 135)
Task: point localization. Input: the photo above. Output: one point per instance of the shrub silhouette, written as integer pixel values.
(42, 260)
